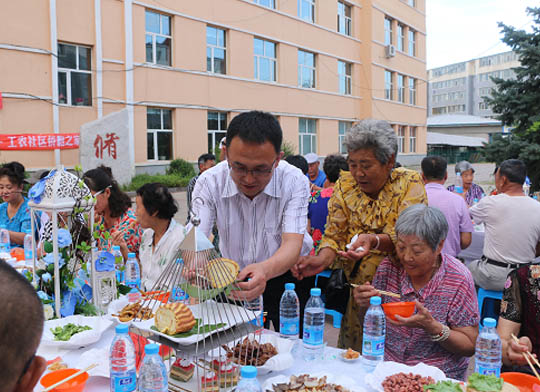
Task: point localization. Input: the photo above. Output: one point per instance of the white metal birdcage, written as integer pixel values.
(59, 195)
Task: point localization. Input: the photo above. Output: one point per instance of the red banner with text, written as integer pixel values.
(40, 141)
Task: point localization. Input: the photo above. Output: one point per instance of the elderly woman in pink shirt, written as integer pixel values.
(443, 330)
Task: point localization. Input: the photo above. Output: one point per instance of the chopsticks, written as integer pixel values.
(382, 292)
(528, 357)
(70, 377)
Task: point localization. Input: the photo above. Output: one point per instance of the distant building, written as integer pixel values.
(459, 88)
(465, 125)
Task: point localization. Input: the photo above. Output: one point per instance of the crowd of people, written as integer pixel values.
(286, 220)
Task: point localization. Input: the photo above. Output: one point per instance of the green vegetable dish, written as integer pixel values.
(484, 383)
(67, 331)
(444, 386)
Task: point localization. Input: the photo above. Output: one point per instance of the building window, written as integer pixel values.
(74, 75)
(217, 129)
(158, 38)
(264, 60)
(307, 134)
(412, 91)
(215, 50)
(345, 81)
(412, 3)
(344, 21)
(267, 3)
(412, 42)
(400, 37)
(412, 139)
(400, 88)
(483, 106)
(306, 69)
(159, 134)
(388, 87)
(388, 31)
(401, 139)
(306, 10)
(344, 127)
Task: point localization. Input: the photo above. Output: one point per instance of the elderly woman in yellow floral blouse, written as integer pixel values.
(366, 201)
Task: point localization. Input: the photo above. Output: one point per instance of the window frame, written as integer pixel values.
(412, 91)
(401, 138)
(272, 2)
(258, 57)
(69, 71)
(212, 47)
(343, 127)
(400, 88)
(308, 132)
(160, 130)
(400, 44)
(388, 31)
(155, 35)
(344, 19)
(345, 77)
(411, 49)
(312, 12)
(412, 139)
(301, 66)
(388, 85)
(214, 132)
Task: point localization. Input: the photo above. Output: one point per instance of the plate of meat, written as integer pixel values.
(393, 376)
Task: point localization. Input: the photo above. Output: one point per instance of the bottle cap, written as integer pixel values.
(28, 231)
(122, 328)
(316, 292)
(248, 372)
(289, 286)
(489, 322)
(180, 261)
(131, 255)
(116, 247)
(151, 349)
(375, 300)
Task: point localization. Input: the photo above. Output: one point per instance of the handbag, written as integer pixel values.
(337, 291)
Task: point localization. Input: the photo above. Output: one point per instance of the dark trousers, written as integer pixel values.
(273, 292)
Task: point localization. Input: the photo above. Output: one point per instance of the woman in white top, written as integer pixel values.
(162, 234)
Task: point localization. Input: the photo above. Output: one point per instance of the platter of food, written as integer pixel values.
(74, 331)
(349, 355)
(123, 312)
(317, 382)
(475, 383)
(186, 325)
(392, 376)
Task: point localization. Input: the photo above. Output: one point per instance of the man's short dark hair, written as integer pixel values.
(157, 198)
(513, 169)
(332, 166)
(434, 167)
(255, 127)
(205, 158)
(21, 326)
(299, 161)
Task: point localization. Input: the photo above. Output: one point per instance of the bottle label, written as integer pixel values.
(372, 346)
(313, 336)
(488, 371)
(178, 295)
(124, 384)
(458, 189)
(289, 327)
(134, 284)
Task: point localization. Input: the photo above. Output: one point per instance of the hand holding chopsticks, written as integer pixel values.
(528, 357)
(381, 292)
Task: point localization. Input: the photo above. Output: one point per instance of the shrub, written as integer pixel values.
(181, 168)
(169, 180)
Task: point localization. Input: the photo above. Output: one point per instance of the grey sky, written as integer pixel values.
(459, 30)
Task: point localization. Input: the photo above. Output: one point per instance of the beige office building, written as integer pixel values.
(184, 69)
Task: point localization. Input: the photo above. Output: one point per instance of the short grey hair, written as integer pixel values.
(427, 223)
(374, 134)
(463, 166)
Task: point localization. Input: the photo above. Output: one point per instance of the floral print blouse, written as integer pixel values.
(127, 223)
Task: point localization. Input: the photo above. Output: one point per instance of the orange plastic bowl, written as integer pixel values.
(74, 385)
(404, 309)
(18, 253)
(523, 381)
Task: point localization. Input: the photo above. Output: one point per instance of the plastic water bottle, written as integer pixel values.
(153, 374)
(178, 294)
(289, 313)
(5, 244)
(527, 186)
(122, 361)
(248, 380)
(28, 252)
(133, 273)
(478, 227)
(488, 349)
(458, 185)
(118, 263)
(313, 339)
(374, 334)
(256, 306)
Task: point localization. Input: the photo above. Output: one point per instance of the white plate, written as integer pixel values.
(210, 312)
(350, 360)
(344, 381)
(81, 339)
(385, 369)
(116, 306)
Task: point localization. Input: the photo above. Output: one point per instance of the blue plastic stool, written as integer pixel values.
(336, 316)
(482, 295)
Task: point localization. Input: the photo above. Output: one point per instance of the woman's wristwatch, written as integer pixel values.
(441, 336)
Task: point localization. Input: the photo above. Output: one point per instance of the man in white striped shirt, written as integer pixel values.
(259, 204)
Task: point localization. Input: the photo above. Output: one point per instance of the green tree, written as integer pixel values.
(517, 101)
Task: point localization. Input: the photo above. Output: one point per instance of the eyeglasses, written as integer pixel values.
(27, 366)
(243, 171)
(101, 191)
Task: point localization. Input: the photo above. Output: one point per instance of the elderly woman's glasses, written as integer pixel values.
(243, 171)
(101, 191)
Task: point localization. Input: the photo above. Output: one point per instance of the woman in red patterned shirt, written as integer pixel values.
(443, 330)
(116, 221)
